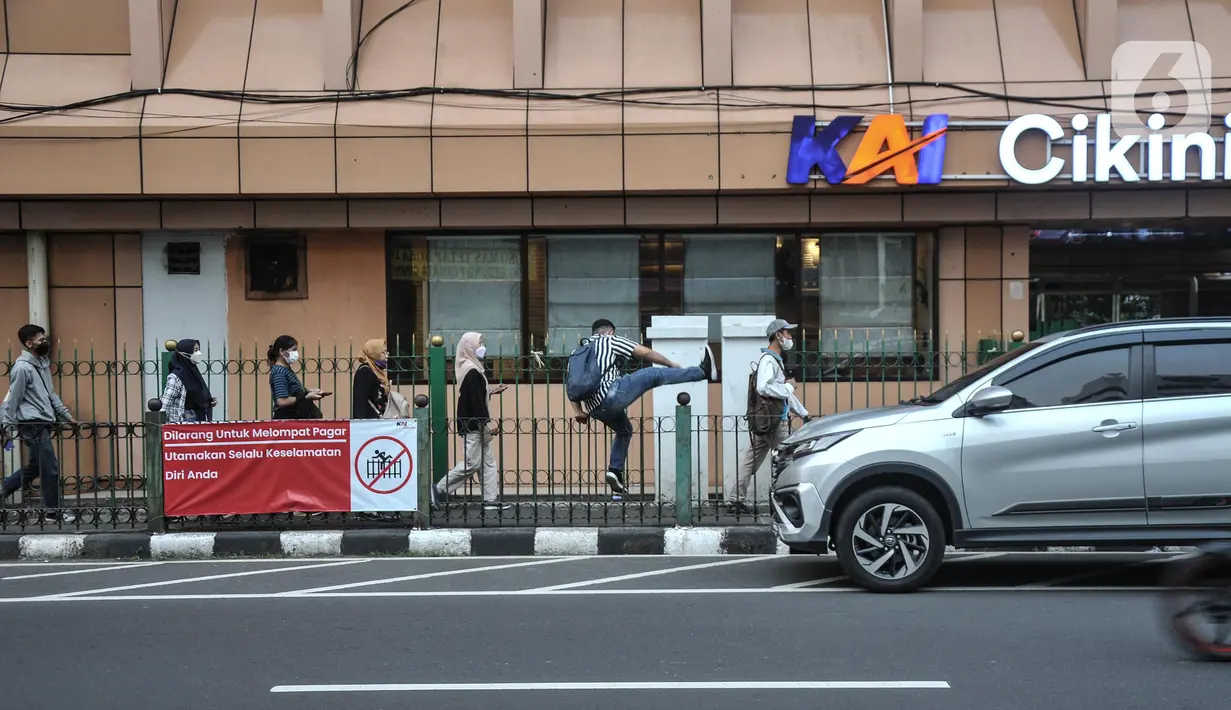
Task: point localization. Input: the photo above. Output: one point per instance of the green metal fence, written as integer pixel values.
(551, 466)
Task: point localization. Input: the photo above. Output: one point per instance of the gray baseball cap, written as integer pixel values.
(778, 324)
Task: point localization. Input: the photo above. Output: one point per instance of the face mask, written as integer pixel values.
(196, 357)
(480, 352)
(382, 364)
(292, 356)
(788, 344)
(42, 349)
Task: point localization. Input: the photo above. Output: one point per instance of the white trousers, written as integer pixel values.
(477, 455)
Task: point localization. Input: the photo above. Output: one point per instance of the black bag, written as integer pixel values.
(764, 413)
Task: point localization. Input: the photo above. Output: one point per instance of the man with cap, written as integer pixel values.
(771, 383)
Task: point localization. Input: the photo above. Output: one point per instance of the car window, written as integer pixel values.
(1098, 376)
(1193, 369)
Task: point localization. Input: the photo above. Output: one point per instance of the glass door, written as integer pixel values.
(1060, 306)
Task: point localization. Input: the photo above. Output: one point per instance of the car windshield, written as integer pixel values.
(966, 380)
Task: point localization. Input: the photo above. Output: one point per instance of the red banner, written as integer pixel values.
(289, 466)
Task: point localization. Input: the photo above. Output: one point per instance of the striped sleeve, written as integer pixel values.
(622, 347)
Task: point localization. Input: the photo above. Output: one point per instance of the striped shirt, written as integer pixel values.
(283, 383)
(613, 353)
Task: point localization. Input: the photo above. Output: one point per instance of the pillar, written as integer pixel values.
(1098, 25)
(37, 283)
(681, 339)
(906, 39)
(340, 35)
(149, 35)
(743, 337)
(717, 68)
(528, 17)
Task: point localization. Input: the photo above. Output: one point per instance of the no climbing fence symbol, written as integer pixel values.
(382, 464)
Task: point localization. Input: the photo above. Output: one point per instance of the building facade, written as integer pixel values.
(230, 170)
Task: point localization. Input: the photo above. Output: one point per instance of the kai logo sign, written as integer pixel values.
(887, 145)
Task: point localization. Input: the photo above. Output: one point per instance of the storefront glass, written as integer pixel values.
(1083, 277)
(728, 274)
(590, 277)
(853, 294)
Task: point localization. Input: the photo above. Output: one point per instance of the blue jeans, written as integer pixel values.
(43, 465)
(628, 389)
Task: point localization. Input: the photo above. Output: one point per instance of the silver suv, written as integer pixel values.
(1113, 434)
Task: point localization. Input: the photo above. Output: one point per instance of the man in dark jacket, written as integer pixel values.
(31, 411)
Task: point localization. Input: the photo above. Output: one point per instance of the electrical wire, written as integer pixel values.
(714, 97)
(352, 65)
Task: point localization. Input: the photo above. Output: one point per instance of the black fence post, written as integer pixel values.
(155, 518)
(423, 468)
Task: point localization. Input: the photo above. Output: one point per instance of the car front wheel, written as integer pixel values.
(890, 539)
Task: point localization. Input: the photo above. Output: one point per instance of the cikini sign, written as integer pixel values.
(1111, 155)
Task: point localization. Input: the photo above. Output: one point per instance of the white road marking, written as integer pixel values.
(979, 556)
(562, 593)
(652, 573)
(670, 685)
(809, 583)
(249, 573)
(83, 571)
(427, 575)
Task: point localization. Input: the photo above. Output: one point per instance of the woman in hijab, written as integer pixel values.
(186, 398)
(474, 424)
(370, 391)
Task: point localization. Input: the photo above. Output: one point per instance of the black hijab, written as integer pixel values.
(196, 393)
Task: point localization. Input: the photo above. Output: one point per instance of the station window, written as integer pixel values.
(276, 265)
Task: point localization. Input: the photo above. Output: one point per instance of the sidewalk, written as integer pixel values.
(460, 542)
(464, 542)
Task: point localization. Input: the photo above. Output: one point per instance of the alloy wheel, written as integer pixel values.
(890, 541)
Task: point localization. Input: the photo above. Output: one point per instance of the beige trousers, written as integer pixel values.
(754, 456)
(477, 454)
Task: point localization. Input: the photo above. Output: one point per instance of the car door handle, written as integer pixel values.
(1115, 426)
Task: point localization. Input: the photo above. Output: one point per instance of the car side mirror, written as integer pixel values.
(989, 400)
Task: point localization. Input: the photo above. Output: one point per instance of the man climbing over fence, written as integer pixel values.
(595, 381)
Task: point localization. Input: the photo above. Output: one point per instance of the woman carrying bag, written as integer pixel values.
(372, 395)
(291, 400)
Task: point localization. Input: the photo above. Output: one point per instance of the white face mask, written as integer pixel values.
(196, 357)
(788, 344)
(480, 352)
(292, 356)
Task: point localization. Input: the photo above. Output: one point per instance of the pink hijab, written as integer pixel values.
(467, 359)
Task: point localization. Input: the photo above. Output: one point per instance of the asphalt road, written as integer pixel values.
(995, 631)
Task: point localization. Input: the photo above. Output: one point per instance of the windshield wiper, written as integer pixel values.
(921, 399)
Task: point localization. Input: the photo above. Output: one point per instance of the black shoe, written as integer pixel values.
(740, 507)
(707, 365)
(615, 479)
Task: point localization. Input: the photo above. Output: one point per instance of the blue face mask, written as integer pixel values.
(382, 364)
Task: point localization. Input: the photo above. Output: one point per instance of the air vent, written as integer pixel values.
(184, 258)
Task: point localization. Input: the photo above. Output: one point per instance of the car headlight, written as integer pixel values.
(824, 442)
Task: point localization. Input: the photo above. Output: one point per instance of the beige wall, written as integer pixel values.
(169, 144)
(345, 306)
(96, 326)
